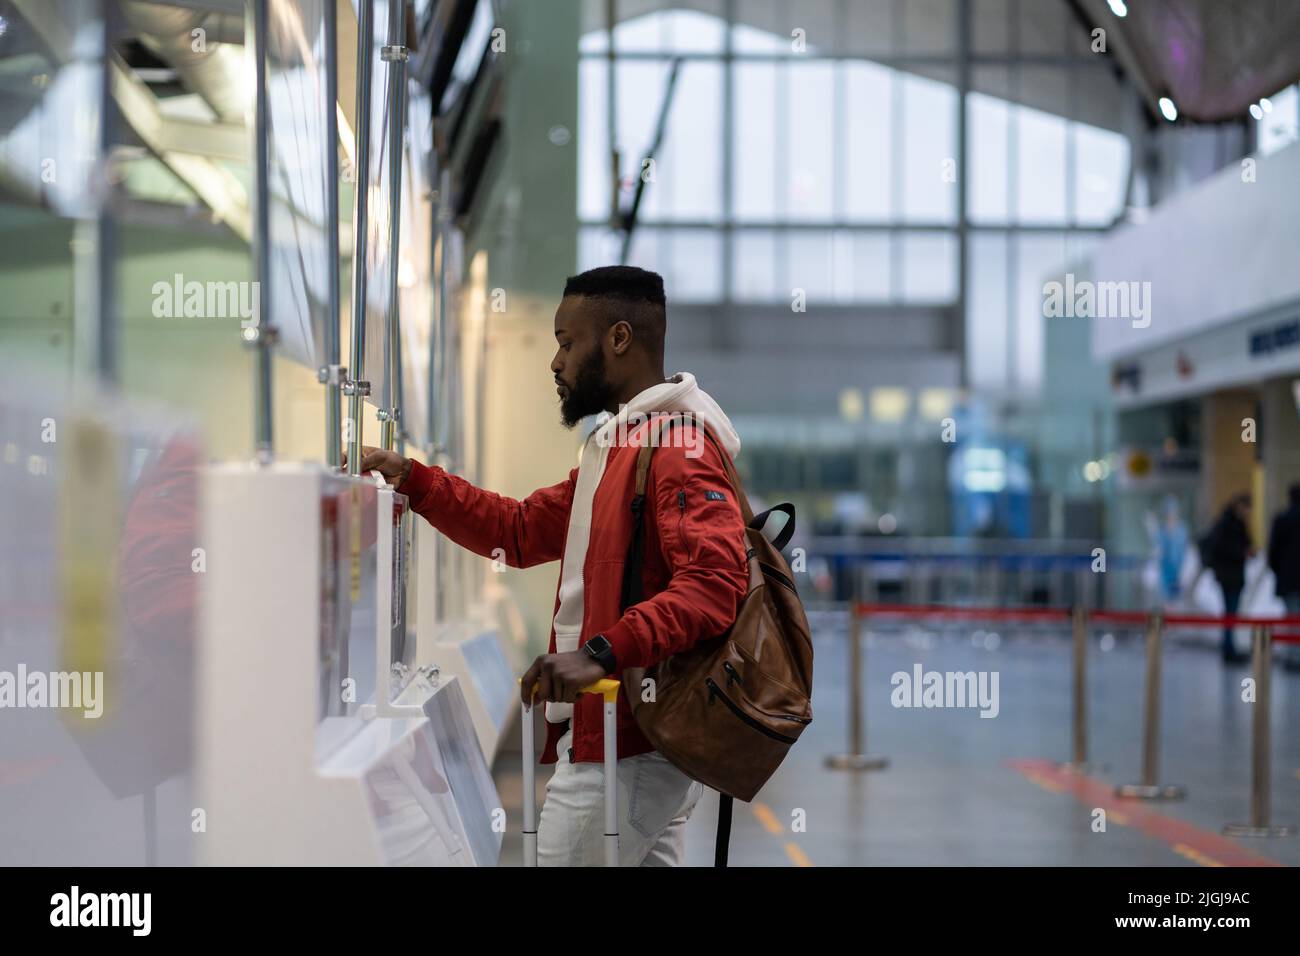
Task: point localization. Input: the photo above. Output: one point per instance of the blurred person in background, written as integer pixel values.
(1284, 561)
(1171, 547)
(1224, 551)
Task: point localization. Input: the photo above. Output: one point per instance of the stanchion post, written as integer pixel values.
(1079, 718)
(1260, 764)
(1149, 789)
(1080, 686)
(856, 758)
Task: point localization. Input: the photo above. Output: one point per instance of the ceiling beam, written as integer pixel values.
(210, 181)
(227, 141)
(229, 7)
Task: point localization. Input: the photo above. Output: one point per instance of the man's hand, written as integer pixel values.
(559, 677)
(390, 464)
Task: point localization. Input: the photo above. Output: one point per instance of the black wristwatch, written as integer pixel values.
(600, 651)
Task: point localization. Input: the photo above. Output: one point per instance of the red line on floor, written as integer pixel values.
(1138, 815)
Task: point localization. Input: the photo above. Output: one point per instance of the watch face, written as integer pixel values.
(601, 651)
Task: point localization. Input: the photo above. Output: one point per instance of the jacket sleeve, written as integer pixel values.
(702, 537)
(519, 533)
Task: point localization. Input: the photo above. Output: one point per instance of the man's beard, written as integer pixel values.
(591, 393)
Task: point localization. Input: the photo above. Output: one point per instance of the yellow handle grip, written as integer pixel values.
(607, 687)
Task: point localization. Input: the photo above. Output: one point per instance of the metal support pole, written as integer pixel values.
(104, 306)
(262, 334)
(430, 424)
(332, 374)
(357, 388)
(1260, 742)
(395, 55)
(399, 424)
(1148, 789)
(856, 758)
(958, 339)
(439, 368)
(611, 110)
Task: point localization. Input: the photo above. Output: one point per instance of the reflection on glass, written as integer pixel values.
(297, 114)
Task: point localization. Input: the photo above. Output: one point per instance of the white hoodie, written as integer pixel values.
(680, 393)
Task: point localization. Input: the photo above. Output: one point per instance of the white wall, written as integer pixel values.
(1225, 250)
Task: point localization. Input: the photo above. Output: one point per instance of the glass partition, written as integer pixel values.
(297, 182)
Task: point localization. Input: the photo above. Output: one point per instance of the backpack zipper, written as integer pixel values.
(715, 691)
(777, 575)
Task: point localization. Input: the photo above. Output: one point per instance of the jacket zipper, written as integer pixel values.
(715, 691)
(681, 523)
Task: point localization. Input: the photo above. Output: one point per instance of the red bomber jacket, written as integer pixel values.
(694, 572)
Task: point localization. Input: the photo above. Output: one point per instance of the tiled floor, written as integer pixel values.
(965, 790)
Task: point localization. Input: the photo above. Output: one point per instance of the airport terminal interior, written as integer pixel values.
(1001, 296)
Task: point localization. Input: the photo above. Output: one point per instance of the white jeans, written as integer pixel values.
(655, 799)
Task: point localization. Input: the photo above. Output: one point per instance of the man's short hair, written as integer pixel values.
(618, 282)
(629, 294)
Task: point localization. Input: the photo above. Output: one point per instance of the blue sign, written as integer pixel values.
(1284, 336)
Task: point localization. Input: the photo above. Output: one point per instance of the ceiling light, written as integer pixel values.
(1168, 109)
(1256, 112)
(1118, 7)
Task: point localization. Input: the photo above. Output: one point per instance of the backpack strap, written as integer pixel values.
(632, 566)
(722, 842)
(663, 423)
(787, 530)
(636, 548)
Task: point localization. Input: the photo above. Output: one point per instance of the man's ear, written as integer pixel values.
(620, 337)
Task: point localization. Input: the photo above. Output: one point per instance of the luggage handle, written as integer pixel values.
(608, 689)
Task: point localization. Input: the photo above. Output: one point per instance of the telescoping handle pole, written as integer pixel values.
(608, 689)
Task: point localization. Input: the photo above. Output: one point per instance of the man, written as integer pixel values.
(609, 330)
(1224, 551)
(1284, 560)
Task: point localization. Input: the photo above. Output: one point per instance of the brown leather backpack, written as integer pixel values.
(727, 711)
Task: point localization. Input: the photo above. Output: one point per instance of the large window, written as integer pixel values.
(815, 147)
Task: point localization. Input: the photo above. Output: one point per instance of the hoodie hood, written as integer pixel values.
(680, 393)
